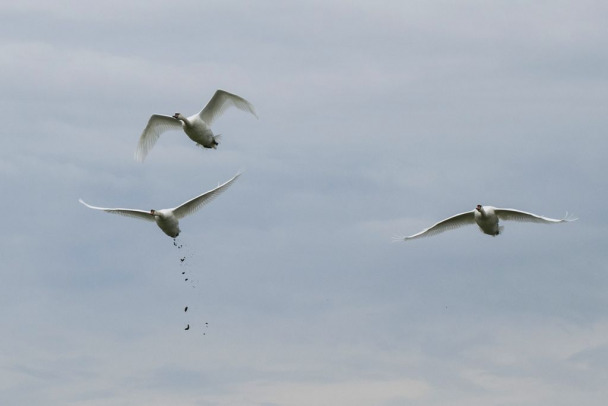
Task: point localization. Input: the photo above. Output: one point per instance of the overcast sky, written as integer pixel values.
(376, 119)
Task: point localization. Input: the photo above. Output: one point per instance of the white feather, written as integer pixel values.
(197, 127)
(487, 218)
(168, 219)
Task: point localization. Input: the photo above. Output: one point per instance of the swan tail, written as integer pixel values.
(216, 140)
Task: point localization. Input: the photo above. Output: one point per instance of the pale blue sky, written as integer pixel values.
(375, 119)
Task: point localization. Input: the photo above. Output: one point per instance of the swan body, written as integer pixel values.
(486, 218)
(168, 219)
(197, 127)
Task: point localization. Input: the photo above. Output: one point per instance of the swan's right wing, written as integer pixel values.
(450, 223)
(140, 214)
(157, 125)
(524, 216)
(220, 101)
(196, 203)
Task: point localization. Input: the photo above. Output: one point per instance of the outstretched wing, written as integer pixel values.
(157, 125)
(518, 215)
(196, 203)
(220, 101)
(140, 214)
(450, 223)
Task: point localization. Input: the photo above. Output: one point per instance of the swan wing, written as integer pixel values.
(140, 214)
(157, 124)
(518, 215)
(220, 101)
(196, 203)
(450, 223)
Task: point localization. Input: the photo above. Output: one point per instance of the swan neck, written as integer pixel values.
(184, 120)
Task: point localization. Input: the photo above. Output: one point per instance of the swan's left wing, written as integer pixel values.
(450, 223)
(157, 124)
(140, 214)
(518, 215)
(196, 203)
(220, 101)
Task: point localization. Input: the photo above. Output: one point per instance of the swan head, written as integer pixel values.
(478, 208)
(153, 212)
(178, 116)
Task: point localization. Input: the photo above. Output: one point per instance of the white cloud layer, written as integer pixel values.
(376, 119)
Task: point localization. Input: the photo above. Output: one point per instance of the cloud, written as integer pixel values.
(375, 119)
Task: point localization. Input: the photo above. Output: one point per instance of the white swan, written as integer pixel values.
(168, 219)
(197, 127)
(486, 218)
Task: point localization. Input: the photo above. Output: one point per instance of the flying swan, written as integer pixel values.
(197, 127)
(487, 218)
(168, 219)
